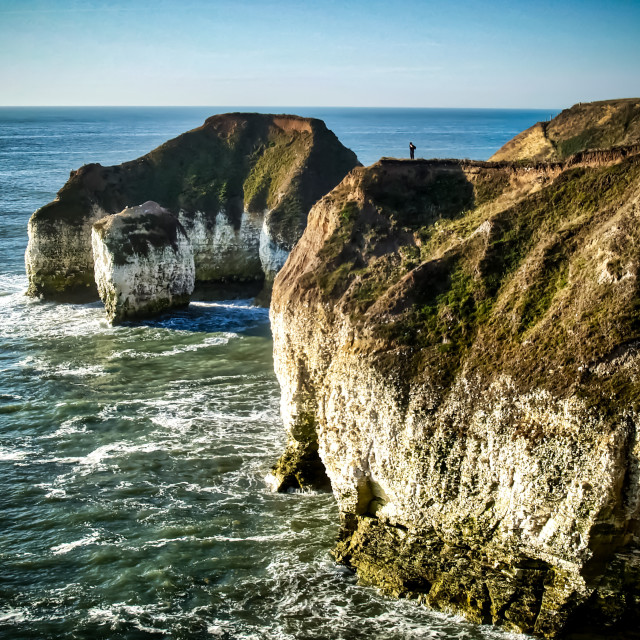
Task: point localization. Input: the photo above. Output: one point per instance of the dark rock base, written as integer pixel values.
(489, 587)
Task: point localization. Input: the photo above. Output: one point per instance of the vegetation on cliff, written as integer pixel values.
(465, 337)
(538, 283)
(234, 163)
(586, 125)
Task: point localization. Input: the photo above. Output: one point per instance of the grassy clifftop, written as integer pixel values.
(492, 268)
(588, 125)
(233, 162)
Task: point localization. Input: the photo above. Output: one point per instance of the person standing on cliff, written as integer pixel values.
(412, 149)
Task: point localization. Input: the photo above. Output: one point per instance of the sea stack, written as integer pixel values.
(143, 262)
(241, 185)
(458, 348)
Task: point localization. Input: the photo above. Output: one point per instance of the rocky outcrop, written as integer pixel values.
(457, 346)
(143, 262)
(585, 126)
(241, 186)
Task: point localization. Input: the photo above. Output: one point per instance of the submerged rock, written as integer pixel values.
(241, 186)
(143, 262)
(458, 345)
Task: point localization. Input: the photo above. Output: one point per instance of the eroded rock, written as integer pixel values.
(445, 340)
(241, 186)
(143, 262)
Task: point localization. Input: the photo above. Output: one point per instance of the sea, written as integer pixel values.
(132, 458)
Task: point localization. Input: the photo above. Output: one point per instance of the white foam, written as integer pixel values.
(303, 492)
(14, 615)
(8, 455)
(211, 341)
(94, 460)
(22, 316)
(207, 342)
(65, 547)
(13, 284)
(122, 612)
(284, 535)
(231, 305)
(64, 369)
(68, 427)
(10, 396)
(51, 491)
(103, 615)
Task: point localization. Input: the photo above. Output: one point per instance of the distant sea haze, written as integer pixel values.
(132, 458)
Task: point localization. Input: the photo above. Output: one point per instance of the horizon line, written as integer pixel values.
(236, 106)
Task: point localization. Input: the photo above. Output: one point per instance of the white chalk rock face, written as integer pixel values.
(272, 254)
(224, 251)
(143, 262)
(58, 258)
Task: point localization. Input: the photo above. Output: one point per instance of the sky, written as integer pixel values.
(364, 53)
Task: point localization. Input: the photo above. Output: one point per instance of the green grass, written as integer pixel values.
(271, 166)
(524, 299)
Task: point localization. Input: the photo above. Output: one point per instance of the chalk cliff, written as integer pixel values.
(241, 185)
(585, 126)
(458, 346)
(143, 262)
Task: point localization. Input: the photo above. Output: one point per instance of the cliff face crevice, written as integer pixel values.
(241, 185)
(460, 336)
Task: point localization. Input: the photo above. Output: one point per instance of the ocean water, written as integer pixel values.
(132, 458)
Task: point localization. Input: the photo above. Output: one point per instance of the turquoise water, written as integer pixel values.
(132, 458)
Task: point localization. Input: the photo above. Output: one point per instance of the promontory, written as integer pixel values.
(458, 346)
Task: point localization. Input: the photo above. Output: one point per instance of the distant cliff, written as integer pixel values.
(587, 125)
(458, 346)
(241, 185)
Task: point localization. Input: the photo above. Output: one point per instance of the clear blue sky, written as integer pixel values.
(407, 53)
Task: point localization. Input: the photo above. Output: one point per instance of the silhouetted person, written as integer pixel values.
(412, 149)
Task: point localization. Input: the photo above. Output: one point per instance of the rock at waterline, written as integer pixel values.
(143, 262)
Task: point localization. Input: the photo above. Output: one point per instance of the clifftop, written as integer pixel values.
(235, 161)
(586, 125)
(526, 270)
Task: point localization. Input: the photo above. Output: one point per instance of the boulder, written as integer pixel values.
(143, 262)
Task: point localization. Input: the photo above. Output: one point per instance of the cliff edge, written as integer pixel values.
(241, 185)
(458, 346)
(585, 126)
